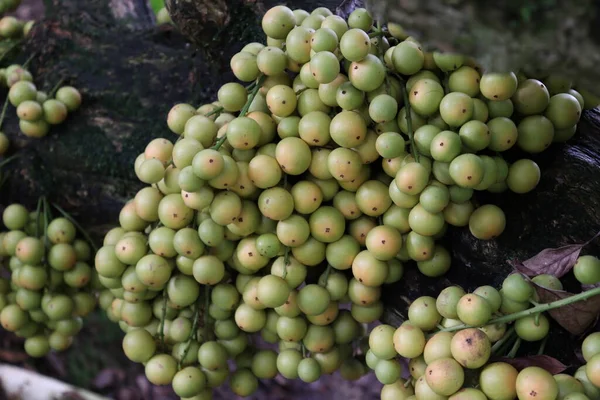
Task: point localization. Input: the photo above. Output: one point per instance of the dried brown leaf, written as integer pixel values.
(548, 363)
(575, 317)
(557, 262)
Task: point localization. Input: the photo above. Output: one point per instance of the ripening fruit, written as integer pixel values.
(532, 328)
(592, 370)
(445, 376)
(423, 314)
(591, 346)
(487, 222)
(523, 176)
(471, 348)
(409, 340)
(563, 111)
(498, 381)
(536, 383)
(473, 310)
(498, 86)
(587, 270)
(438, 346)
(278, 22)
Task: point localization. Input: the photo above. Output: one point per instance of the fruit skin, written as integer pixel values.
(471, 348)
(487, 222)
(592, 370)
(445, 376)
(535, 383)
(587, 270)
(591, 346)
(498, 381)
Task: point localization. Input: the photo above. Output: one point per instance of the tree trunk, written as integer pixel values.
(131, 73)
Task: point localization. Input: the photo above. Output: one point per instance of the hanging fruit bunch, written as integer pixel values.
(47, 284)
(344, 151)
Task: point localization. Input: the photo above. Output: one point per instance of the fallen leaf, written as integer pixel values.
(555, 262)
(575, 317)
(548, 363)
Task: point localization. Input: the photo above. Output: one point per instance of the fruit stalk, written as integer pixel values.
(205, 316)
(55, 88)
(85, 234)
(4, 107)
(161, 329)
(538, 309)
(409, 127)
(244, 110)
(192, 334)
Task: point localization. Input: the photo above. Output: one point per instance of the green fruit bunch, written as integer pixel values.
(450, 341)
(13, 28)
(37, 111)
(285, 206)
(46, 282)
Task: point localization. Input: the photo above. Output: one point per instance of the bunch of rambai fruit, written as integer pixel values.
(285, 206)
(47, 284)
(37, 110)
(451, 341)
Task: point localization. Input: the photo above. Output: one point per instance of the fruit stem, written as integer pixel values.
(4, 107)
(538, 309)
(326, 276)
(303, 351)
(515, 348)
(217, 111)
(188, 342)
(205, 316)
(9, 159)
(407, 383)
(376, 33)
(38, 209)
(251, 86)
(55, 88)
(161, 328)
(408, 117)
(286, 262)
(18, 42)
(536, 319)
(244, 110)
(543, 345)
(504, 339)
(46, 223)
(252, 95)
(26, 63)
(85, 234)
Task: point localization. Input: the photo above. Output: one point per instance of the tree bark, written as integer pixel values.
(131, 73)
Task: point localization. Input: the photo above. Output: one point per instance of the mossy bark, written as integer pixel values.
(131, 73)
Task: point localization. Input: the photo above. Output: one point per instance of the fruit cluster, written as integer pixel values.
(36, 109)
(300, 195)
(13, 28)
(450, 341)
(46, 283)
